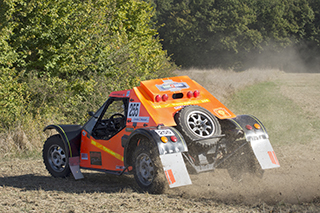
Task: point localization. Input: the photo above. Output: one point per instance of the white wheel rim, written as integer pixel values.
(200, 124)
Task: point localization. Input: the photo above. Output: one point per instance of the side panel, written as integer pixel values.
(154, 134)
(102, 154)
(138, 116)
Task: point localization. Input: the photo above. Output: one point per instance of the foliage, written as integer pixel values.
(216, 33)
(11, 91)
(60, 58)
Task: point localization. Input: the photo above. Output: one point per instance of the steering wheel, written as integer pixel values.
(111, 120)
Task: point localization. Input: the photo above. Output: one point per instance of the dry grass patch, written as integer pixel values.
(223, 83)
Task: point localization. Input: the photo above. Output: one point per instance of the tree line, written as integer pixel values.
(239, 33)
(61, 58)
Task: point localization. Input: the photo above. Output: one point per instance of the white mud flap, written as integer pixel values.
(175, 170)
(264, 153)
(74, 164)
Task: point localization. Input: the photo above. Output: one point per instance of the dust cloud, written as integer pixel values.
(298, 179)
(300, 58)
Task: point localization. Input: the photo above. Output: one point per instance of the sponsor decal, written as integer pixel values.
(164, 132)
(178, 107)
(129, 129)
(256, 137)
(222, 112)
(194, 102)
(95, 158)
(170, 176)
(84, 156)
(273, 158)
(107, 150)
(120, 167)
(117, 94)
(169, 85)
(141, 120)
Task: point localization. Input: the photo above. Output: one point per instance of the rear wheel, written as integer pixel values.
(56, 157)
(148, 171)
(244, 161)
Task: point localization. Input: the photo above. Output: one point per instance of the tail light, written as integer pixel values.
(257, 126)
(158, 98)
(196, 93)
(249, 127)
(164, 139)
(173, 138)
(165, 97)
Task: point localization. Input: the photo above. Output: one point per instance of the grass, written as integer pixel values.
(223, 83)
(286, 122)
(26, 186)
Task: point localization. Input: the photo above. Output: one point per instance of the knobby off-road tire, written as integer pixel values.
(195, 122)
(56, 157)
(148, 171)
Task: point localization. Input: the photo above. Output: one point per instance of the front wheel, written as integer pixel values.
(56, 157)
(148, 171)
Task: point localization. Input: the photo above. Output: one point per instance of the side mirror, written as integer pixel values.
(91, 113)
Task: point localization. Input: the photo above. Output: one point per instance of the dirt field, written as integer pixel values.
(25, 185)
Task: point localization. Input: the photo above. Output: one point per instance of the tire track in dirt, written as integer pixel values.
(298, 178)
(25, 185)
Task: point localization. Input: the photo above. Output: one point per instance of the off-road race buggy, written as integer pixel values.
(160, 132)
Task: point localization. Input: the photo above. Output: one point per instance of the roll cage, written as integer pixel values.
(109, 119)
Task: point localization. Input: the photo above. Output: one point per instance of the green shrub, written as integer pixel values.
(61, 58)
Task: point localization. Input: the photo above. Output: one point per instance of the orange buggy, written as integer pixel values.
(161, 131)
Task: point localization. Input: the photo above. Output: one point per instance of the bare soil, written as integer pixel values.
(26, 186)
(303, 89)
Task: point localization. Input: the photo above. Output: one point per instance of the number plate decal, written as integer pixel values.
(134, 110)
(164, 132)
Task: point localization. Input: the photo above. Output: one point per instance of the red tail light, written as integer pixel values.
(173, 138)
(189, 94)
(249, 127)
(165, 97)
(196, 93)
(158, 98)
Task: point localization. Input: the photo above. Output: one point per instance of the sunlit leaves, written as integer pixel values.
(70, 54)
